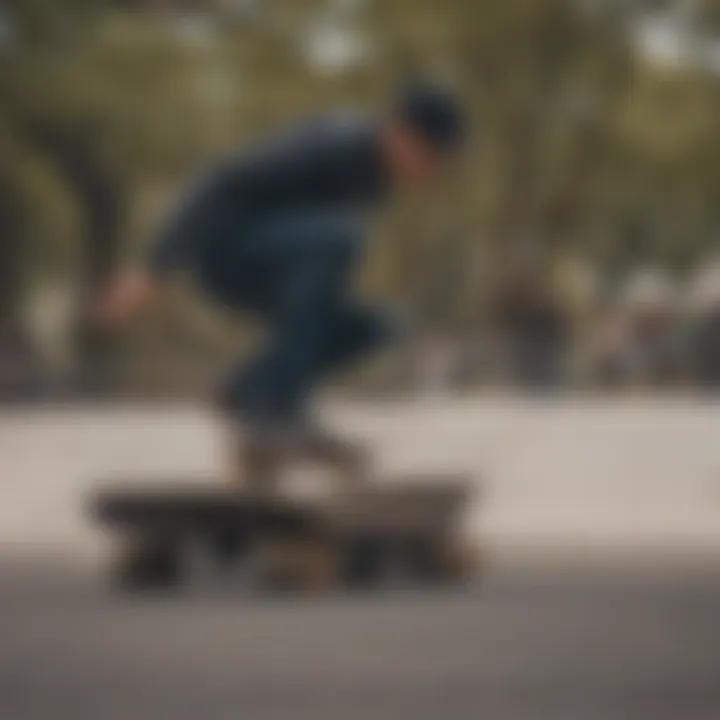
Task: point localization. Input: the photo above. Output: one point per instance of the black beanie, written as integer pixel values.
(435, 112)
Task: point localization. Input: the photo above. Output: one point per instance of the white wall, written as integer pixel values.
(575, 476)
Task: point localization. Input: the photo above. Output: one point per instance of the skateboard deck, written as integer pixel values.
(409, 526)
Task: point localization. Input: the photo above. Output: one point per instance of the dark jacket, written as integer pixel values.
(332, 163)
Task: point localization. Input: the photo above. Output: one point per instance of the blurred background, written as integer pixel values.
(563, 304)
(576, 249)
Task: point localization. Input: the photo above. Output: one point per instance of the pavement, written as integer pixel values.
(540, 645)
(593, 476)
(606, 609)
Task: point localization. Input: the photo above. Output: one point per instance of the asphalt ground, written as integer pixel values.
(574, 643)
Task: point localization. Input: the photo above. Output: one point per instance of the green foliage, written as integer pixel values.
(578, 145)
(49, 21)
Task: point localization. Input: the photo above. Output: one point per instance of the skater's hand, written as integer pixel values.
(125, 298)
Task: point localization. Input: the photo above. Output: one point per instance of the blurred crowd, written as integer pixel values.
(537, 334)
(648, 332)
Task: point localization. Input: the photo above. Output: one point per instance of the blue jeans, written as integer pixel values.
(295, 274)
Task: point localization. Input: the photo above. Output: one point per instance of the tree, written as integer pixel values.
(76, 97)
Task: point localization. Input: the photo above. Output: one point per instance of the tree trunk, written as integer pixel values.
(102, 193)
(18, 364)
(100, 187)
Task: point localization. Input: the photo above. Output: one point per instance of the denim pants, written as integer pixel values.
(295, 273)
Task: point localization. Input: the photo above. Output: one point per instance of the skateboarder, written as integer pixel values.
(278, 230)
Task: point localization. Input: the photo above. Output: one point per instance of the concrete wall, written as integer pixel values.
(593, 477)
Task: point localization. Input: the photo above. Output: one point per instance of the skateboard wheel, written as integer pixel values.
(227, 548)
(459, 561)
(440, 560)
(296, 565)
(363, 563)
(147, 564)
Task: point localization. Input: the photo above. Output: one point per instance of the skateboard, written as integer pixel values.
(405, 530)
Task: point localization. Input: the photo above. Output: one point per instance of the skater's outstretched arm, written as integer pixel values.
(127, 297)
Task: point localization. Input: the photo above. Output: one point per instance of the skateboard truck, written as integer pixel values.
(260, 459)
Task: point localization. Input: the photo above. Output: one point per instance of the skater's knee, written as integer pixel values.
(370, 330)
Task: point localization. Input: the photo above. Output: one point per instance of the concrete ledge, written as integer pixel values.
(589, 478)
